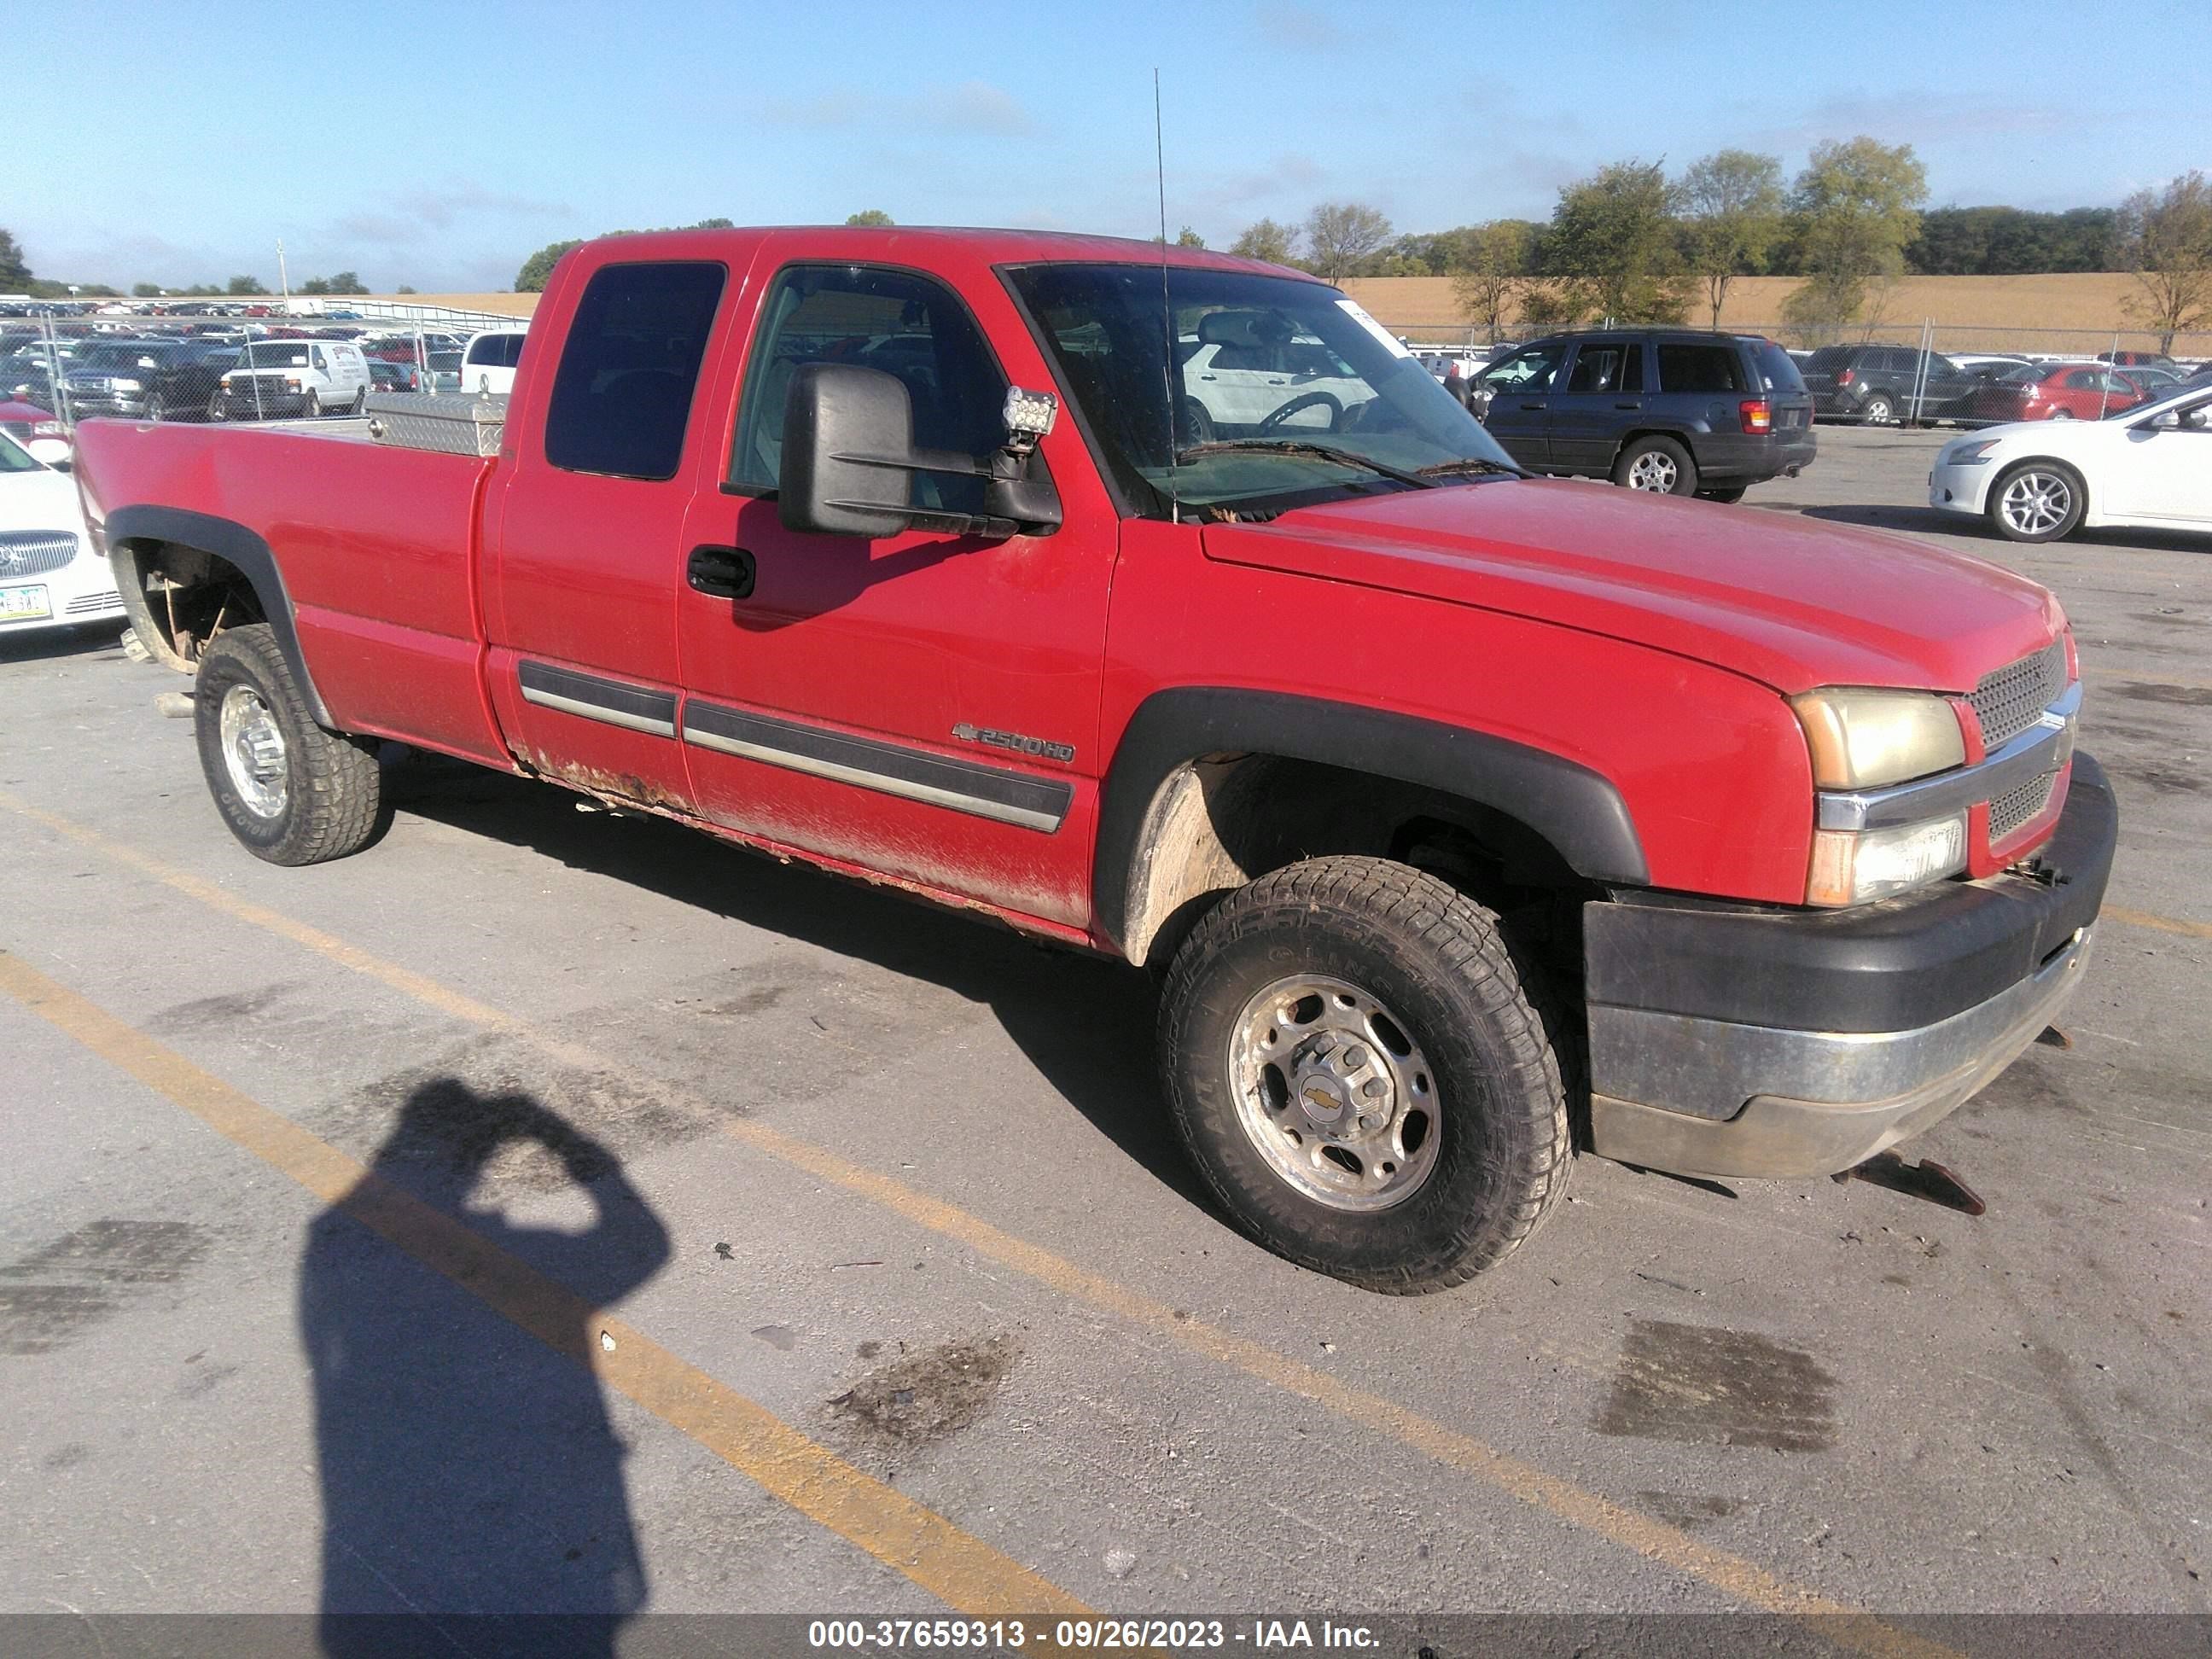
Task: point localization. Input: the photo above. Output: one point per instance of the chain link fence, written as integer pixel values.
(218, 360)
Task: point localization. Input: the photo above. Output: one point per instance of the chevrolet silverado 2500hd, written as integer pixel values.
(1473, 819)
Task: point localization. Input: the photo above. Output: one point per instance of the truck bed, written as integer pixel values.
(376, 544)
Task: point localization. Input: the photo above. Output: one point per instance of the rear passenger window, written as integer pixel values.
(909, 326)
(1699, 368)
(1610, 366)
(622, 397)
(1778, 368)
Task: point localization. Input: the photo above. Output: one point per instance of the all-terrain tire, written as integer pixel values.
(331, 788)
(1438, 962)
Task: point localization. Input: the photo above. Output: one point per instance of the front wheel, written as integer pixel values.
(1359, 1069)
(1734, 493)
(293, 793)
(2037, 501)
(1658, 466)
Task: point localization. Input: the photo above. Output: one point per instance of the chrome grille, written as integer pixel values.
(2008, 701)
(2009, 812)
(34, 552)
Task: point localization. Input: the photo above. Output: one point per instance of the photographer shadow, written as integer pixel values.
(472, 1480)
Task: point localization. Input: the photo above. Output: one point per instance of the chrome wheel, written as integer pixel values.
(253, 752)
(1334, 1093)
(2035, 503)
(1654, 470)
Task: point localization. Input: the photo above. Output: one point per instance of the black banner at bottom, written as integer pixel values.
(782, 1636)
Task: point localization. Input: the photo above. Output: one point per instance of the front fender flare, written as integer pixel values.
(1577, 811)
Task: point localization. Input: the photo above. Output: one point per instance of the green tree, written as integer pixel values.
(1857, 206)
(1277, 244)
(2166, 241)
(531, 279)
(14, 272)
(1492, 270)
(1188, 238)
(870, 216)
(1546, 306)
(1613, 237)
(402, 288)
(1733, 204)
(145, 290)
(244, 287)
(315, 285)
(1341, 236)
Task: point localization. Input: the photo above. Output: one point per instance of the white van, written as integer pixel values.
(488, 363)
(281, 379)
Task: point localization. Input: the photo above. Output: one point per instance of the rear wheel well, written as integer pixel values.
(1221, 821)
(179, 598)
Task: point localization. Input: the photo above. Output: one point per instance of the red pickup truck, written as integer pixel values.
(1160, 604)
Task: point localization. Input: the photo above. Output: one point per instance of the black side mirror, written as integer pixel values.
(848, 458)
(849, 461)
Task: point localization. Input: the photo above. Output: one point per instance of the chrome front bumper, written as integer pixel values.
(1811, 1103)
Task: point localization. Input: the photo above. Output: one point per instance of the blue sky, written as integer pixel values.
(437, 145)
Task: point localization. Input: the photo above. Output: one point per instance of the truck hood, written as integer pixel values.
(1795, 603)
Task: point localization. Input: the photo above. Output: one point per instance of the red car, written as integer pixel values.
(1475, 817)
(2055, 391)
(25, 422)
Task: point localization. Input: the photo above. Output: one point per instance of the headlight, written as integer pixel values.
(1976, 453)
(126, 386)
(1869, 739)
(1854, 866)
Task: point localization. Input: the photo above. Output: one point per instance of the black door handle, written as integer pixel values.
(1537, 407)
(721, 573)
(1628, 406)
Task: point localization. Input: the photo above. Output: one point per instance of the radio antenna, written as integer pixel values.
(1167, 309)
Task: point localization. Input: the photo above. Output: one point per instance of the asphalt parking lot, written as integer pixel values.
(827, 1253)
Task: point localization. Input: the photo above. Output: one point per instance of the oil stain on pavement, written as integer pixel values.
(1707, 1386)
(52, 1294)
(921, 1398)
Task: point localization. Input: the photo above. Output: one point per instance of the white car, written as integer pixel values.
(50, 575)
(1252, 374)
(2150, 469)
(488, 363)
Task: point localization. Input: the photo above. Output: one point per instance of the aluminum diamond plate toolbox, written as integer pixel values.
(447, 422)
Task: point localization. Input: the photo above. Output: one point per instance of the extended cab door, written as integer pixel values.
(586, 538)
(922, 706)
(1602, 398)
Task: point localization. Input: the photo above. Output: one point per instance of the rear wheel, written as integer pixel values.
(1658, 466)
(293, 793)
(2061, 414)
(1878, 410)
(1359, 1070)
(2037, 501)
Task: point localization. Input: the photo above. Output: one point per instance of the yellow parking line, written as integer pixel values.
(2161, 924)
(959, 1569)
(1735, 1576)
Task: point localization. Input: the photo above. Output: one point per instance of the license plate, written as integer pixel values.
(23, 603)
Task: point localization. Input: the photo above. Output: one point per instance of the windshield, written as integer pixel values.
(1258, 361)
(277, 354)
(120, 357)
(14, 458)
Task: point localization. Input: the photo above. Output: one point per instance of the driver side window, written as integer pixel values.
(1531, 370)
(907, 327)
